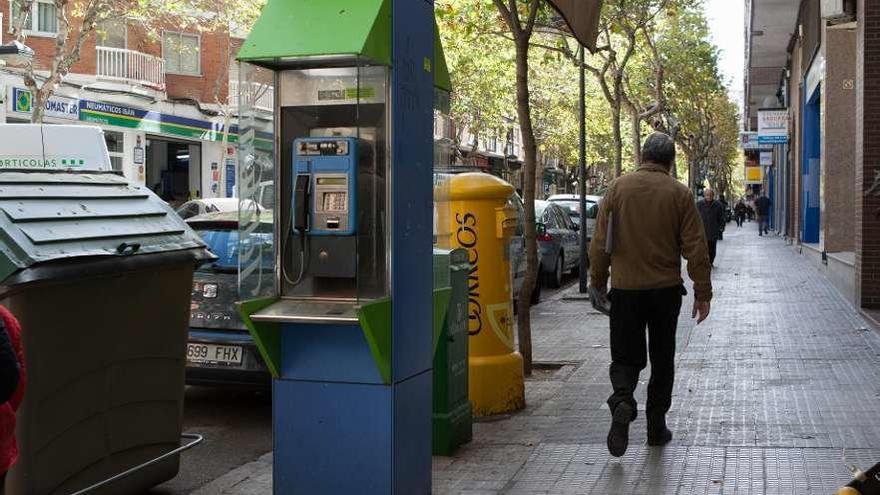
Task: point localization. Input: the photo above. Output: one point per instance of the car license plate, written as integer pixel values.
(213, 354)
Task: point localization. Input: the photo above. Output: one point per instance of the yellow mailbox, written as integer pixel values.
(482, 221)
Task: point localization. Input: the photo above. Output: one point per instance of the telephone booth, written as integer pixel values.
(336, 157)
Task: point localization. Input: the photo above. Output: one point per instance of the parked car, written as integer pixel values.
(197, 207)
(220, 349)
(572, 203)
(517, 252)
(558, 242)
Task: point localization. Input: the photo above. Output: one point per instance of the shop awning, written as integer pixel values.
(295, 32)
(582, 17)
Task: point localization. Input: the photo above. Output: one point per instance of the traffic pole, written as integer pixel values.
(582, 177)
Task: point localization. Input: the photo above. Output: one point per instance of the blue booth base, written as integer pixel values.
(338, 428)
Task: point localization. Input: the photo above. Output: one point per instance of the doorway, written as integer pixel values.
(811, 168)
(174, 169)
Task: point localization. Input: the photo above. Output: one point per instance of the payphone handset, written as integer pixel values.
(324, 194)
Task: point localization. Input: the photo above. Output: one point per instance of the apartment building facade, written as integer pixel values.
(162, 99)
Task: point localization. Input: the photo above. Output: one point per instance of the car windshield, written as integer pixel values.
(224, 244)
(573, 206)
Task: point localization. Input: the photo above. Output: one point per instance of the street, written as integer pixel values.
(237, 426)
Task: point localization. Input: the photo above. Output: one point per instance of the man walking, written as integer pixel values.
(712, 214)
(762, 209)
(740, 212)
(647, 221)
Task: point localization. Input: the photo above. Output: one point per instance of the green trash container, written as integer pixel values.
(99, 273)
(452, 411)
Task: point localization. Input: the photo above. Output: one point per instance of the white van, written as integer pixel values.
(62, 147)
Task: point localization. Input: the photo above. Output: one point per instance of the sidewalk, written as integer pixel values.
(771, 392)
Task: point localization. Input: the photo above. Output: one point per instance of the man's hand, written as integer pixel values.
(701, 311)
(599, 300)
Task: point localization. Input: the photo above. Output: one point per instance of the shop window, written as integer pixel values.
(182, 53)
(115, 148)
(41, 16)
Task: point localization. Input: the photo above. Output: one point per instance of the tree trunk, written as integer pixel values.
(524, 323)
(617, 140)
(636, 137)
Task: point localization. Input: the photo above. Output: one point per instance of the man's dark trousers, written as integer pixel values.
(631, 312)
(713, 250)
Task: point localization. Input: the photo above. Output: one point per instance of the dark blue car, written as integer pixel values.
(220, 349)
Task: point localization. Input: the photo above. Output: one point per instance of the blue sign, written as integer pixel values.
(772, 139)
(230, 177)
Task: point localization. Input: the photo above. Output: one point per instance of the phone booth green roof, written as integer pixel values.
(295, 33)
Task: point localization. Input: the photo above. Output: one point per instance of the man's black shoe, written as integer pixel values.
(658, 433)
(657, 439)
(618, 436)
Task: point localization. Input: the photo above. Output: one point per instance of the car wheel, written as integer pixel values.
(555, 279)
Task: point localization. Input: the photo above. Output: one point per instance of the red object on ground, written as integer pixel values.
(8, 445)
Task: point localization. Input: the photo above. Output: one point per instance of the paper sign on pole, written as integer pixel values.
(767, 158)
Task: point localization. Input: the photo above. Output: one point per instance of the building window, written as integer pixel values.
(42, 17)
(115, 148)
(112, 34)
(182, 53)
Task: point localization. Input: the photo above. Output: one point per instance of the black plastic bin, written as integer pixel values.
(99, 273)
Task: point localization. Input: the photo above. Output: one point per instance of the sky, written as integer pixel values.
(727, 22)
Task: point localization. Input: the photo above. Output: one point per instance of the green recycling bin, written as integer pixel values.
(452, 411)
(99, 273)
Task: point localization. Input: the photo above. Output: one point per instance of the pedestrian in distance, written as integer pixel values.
(647, 222)
(712, 214)
(12, 383)
(739, 212)
(762, 209)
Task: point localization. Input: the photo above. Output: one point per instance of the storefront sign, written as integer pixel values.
(754, 175)
(161, 123)
(149, 121)
(59, 107)
(750, 142)
(767, 158)
(773, 126)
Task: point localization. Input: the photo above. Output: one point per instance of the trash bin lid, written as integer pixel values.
(49, 216)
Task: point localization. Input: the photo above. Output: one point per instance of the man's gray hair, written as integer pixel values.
(659, 148)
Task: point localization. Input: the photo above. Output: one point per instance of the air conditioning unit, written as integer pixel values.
(839, 10)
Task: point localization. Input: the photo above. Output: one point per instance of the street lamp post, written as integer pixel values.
(582, 177)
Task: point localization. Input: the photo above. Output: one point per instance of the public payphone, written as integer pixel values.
(338, 95)
(324, 216)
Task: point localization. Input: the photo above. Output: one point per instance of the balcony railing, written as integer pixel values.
(119, 64)
(262, 94)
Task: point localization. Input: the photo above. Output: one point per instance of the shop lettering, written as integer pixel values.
(27, 163)
(466, 236)
(112, 109)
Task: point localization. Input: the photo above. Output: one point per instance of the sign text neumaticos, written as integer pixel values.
(39, 162)
(466, 236)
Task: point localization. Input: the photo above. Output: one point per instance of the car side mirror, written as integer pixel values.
(593, 212)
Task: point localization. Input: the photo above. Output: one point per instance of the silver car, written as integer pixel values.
(558, 242)
(572, 203)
